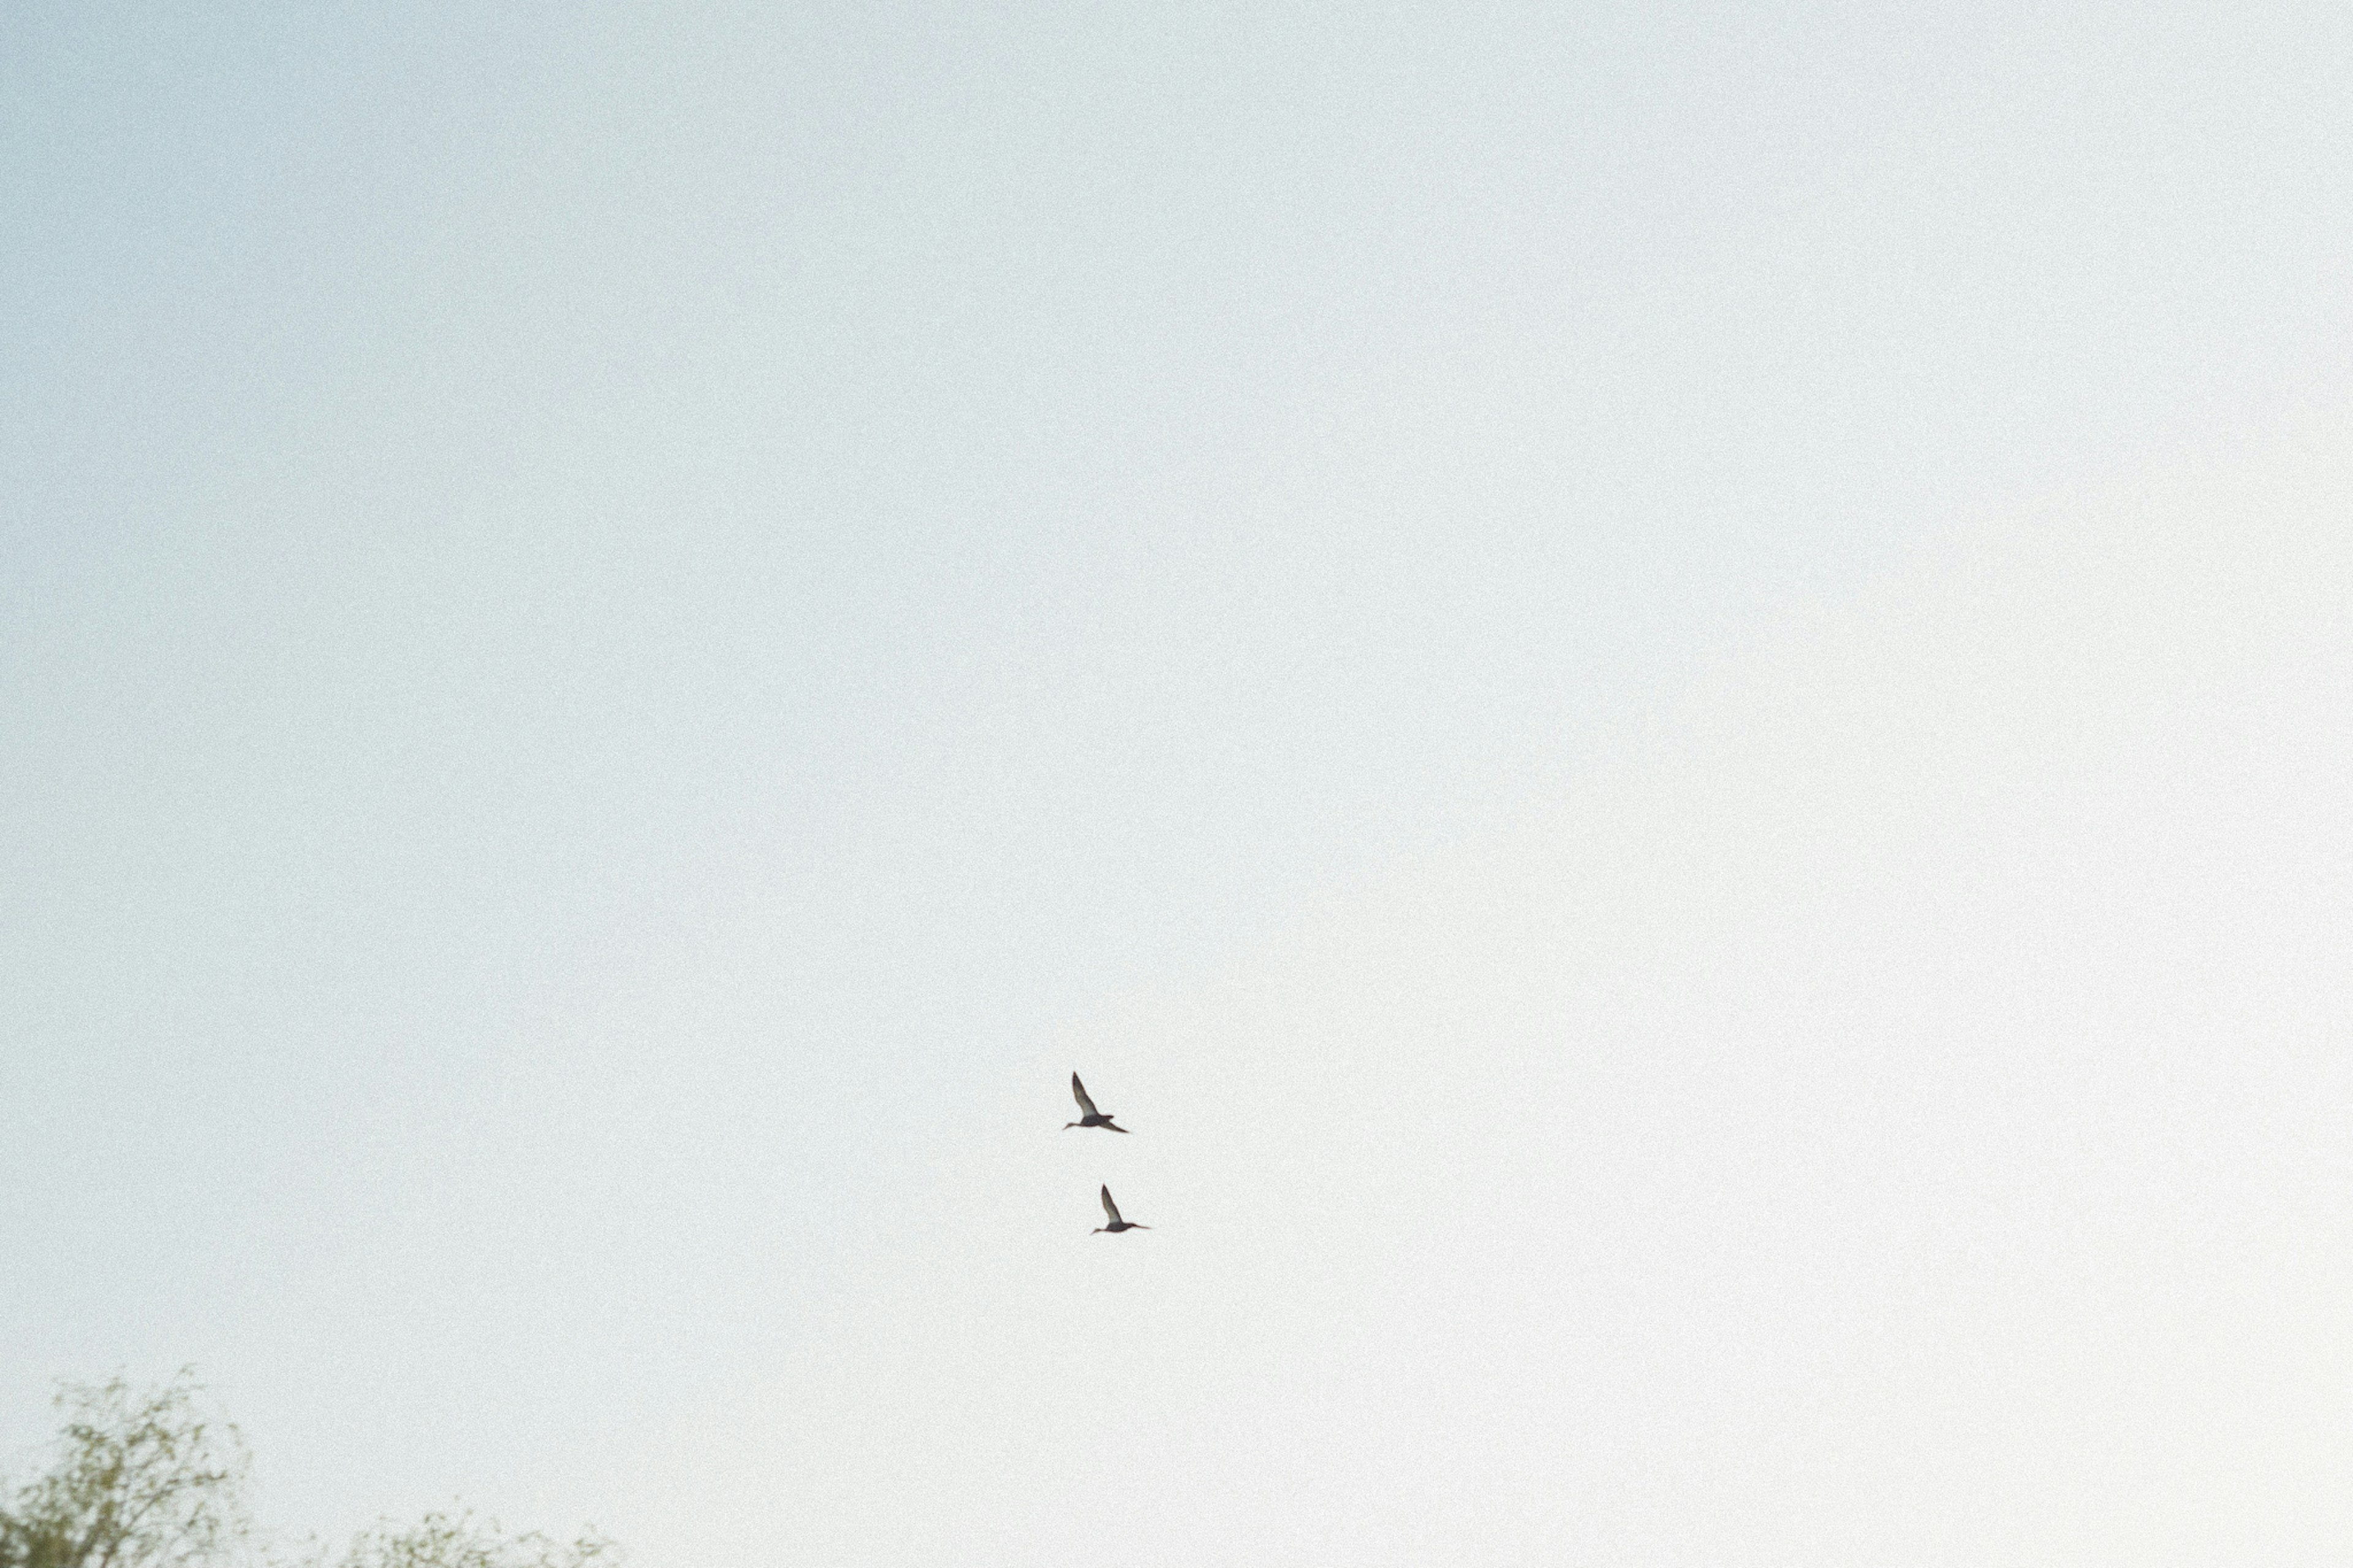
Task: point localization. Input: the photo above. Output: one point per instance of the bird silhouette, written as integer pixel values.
(1089, 1116)
(1117, 1223)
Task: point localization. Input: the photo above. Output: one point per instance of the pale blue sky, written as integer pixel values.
(625, 630)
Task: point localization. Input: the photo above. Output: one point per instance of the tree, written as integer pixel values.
(142, 1480)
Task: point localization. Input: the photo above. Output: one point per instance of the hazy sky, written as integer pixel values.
(1663, 691)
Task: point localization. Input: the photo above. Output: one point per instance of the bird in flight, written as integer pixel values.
(1117, 1223)
(1088, 1115)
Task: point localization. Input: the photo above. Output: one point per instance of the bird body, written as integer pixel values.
(1088, 1115)
(1117, 1223)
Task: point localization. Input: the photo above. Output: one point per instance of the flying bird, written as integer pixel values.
(1088, 1116)
(1117, 1223)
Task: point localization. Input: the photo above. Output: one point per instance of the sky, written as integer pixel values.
(1662, 691)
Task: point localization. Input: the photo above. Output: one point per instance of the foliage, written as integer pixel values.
(142, 1480)
(444, 1540)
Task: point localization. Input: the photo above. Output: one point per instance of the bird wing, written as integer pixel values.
(1110, 1207)
(1081, 1091)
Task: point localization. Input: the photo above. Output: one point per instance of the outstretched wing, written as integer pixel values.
(1110, 1207)
(1086, 1105)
